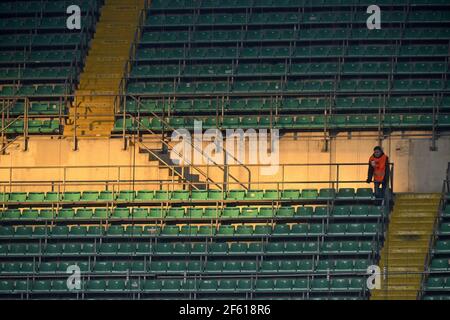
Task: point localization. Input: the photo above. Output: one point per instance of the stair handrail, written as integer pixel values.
(169, 166)
(223, 168)
(432, 240)
(208, 179)
(132, 51)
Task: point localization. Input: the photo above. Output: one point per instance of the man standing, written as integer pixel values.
(379, 170)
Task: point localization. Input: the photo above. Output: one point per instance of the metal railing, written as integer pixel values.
(435, 233)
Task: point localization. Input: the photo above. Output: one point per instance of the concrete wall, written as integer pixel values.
(417, 169)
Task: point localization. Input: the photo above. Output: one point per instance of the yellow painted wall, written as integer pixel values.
(417, 169)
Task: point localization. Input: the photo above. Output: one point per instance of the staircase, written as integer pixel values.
(179, 173)
(406, 246)
(104, 69)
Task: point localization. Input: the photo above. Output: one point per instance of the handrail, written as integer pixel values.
(200, 150)
(170, 167)
(132, 52)
(169, 147)
(432, 240)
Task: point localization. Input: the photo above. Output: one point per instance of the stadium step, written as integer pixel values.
(406, 245)
(182, 173)
(104, 69)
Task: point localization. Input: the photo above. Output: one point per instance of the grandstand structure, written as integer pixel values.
(90, 190)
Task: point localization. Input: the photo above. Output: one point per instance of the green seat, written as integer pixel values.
(266, 212)
(236, 194)
(47, 214)
(326, 193)
(108, 249)
(157, 213)
(249, 212)
(12, 214)
(30, 214)
(127, 195)
(199, 195)
(346, 193)
(194, 213)
(66, 214)
(144, 195)
(53, 196)
(7, 231)
(230, 212)
(218, 248)
(290, 194)
(71, 196)
(103, 267)
(89, 196)
(84, 213)
(309, 193)
(42, 285)
(175, 213)
(180, 195)
(139, 213)
(285, 212)
(360, 210)
(78, 231)
(212, 213)
(17, 197)
(206, 230)
(244, 230)
(364, 193)
(304, 211)
(272, 194)
(96, 285)
(36, 197)
(101, 213)
(281, 229)
(299, 229)
(106, 196)
(170, 230)
(264, 285)
(208, 285)
(341, 211)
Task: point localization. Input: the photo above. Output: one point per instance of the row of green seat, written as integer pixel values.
(47, 40)
(308, 51)
(233, 4)
(231, 266)
(183, 248)
(286, 18)
(34, 126)
(60, 6)
(32, 24)
(144, 195)
(272, 35)
(190, 230)
(244, 69)
(189, 285)
(35, 73)
(39, 56)
(438, 283)
(37, 108)
(193, 213)
(320, 122)
(34, 90)
(303, 86)
(262, 104)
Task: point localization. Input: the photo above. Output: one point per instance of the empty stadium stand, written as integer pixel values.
(298, 65)
(40, 62)
(172, 243)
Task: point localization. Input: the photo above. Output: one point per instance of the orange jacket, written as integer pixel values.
(378, 168)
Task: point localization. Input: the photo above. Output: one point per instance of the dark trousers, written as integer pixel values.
(379, 188)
